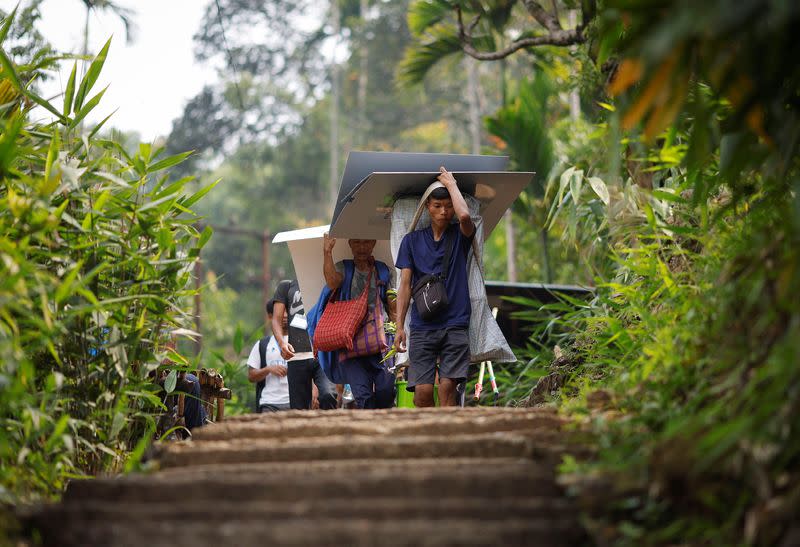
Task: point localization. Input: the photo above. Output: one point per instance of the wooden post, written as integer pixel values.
(220, 409)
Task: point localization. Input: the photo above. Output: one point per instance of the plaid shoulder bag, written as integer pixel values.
(370, 339)
(340, 321)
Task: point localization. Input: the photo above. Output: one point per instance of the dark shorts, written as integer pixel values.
(449, 347)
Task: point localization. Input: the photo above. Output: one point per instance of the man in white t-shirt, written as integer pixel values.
(269, 373)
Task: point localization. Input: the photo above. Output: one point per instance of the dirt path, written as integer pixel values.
(475, 476)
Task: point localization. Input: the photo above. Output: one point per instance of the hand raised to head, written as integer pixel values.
(328, 243)
(445, 177)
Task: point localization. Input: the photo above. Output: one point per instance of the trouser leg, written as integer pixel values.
(327, 389)
(384, 385)
(299, 374)
(360, 380)
(193, 412)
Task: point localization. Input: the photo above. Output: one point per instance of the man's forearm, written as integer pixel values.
(256, 375)
(277, 322)
(459, 203)
(332, 278)
(403, 300)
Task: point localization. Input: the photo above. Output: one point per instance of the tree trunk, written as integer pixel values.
(333, 185)
(361, 137)
(548, 269)
(86, 32)
(474, 105)
(574, 95)
(511, 246)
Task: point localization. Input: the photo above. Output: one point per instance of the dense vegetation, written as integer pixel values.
(665, 136)
(96, 249)
(684, 366)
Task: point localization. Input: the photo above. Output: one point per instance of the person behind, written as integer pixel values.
(444, 338)
(188, 384)
(371, 383)
(267, 369)
(306, 379)
(194, 415)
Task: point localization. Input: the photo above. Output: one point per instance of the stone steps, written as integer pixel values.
(354, 531)
(476, 476)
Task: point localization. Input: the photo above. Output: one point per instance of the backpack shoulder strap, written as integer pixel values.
(383, 277)
(349, 271)
(262, 350)
(262, 353)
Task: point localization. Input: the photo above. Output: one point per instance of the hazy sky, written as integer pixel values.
(150, 78)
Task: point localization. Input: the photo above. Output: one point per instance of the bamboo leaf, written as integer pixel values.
(97, 127)
(137, 453)
(58, 431)
(69, 94)
(117, 424)
(576, 185)
(668, 196)
(600, 189)
(199, 195)
(10, 72)
(91, 76)
(64, 288)
(50, 181)
(166, 163)
(155, 203)
(88, 107)
(7, 24)
(205, 236)
(171, 381)
(46, 105)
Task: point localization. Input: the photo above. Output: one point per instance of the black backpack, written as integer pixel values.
(262, 353)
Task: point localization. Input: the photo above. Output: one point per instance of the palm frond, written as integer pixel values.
(521, 125)
(424, 14)
(421, 57)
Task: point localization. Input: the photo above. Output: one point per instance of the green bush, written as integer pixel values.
(96, 251)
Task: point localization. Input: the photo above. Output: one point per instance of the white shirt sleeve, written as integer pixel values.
(254, 359)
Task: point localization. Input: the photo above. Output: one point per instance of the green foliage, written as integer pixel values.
(23, 43)
(96, 249)
(684, 365)
(442, 28)
(441, 41)
(692, 334)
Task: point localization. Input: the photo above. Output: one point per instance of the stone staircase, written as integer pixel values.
(416, 477)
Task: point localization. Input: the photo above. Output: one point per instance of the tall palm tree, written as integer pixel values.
(124, 14)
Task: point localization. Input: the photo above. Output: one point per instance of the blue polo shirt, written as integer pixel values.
(420, 253)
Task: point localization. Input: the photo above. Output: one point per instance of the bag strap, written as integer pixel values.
(365, 292)
(450, 242)
(262, 353)
(349, 272)
(384, 277)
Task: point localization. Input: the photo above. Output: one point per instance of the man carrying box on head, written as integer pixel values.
(362, 367)
(433, 264)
